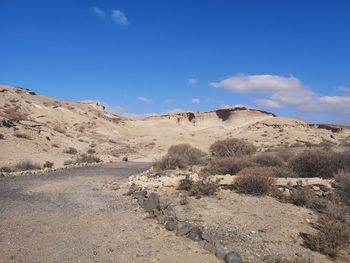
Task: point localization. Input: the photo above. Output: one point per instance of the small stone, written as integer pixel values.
(233, 257)
(207, 246)
(286, 193)
(220, 253)
(183, 228)
(316, 188)
(195, 234)
(170, 225)
(151, 203)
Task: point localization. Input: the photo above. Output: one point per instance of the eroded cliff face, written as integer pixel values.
(234, 117)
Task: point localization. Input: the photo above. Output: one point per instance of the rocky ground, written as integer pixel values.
(81, 215)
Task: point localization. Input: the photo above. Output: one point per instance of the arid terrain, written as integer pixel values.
(243, 184)
(41, 129)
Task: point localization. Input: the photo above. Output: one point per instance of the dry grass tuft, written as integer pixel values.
(21, 135)
(27, 165)
(48, 164)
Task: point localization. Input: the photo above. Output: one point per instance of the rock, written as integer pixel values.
(138, 194)
(208, 237)
(195, 234)
(183, 200)
(233, 257)
(286, 192)
(125, 159)
(171, 225)
(220, 253)
(207, 246)
(132, 189)
(151, 203)
(183, 228)
(316, 188)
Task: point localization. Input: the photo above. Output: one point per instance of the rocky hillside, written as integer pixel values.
(42, 129)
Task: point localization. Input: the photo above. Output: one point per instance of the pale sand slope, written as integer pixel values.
(53, 126)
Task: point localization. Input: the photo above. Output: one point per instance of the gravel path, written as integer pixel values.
(71, 216)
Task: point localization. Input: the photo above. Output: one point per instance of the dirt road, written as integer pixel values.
(71, 216)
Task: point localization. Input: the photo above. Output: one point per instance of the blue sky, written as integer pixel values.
(288, 57)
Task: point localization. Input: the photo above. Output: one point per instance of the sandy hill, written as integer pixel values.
(40, 128)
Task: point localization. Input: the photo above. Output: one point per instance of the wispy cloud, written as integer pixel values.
(192, 82)
(195, 101)
(119, 17)
(143, 100)
(99, 12)
(227, 106)
(344, 90)
(285, 92)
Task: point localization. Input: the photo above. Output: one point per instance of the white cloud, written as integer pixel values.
(143, 100)
(119, 17)
(195, 101)
(285, 92)
(99, 12)
(343, 89)
(227, 106)
(193, 82)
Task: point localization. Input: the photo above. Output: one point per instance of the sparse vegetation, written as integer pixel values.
(255, 180)
(13, 114)
(332, 236)
(231, 147)
(21, 135)
(2, 137)
(342, 180)
(91, 151)
(26, 165)
(48, 164)
(315, 163)
(268, 159)
(83, 158)
(204, 186)
(6, 169)
(180, 156)
(227, 165)
(71, 150)
(283, 171)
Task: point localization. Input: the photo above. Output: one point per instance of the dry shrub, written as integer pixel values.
(170, 162)
(231, 147)
(285, 153)
(13, 114)
(255, 180)
(342, 183)
(91, 151)
(331, 237)
(21, 135)
(180, 156)
(71, 150)
(2, 137)
(268, 159)
(303, 196)
(284, 172)
(27, 165)
(205, 186)
(48, 164)
(227, 165)
(87, 158)
(55, 145)
(191, 154)
(315, 163)
(6, 169)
